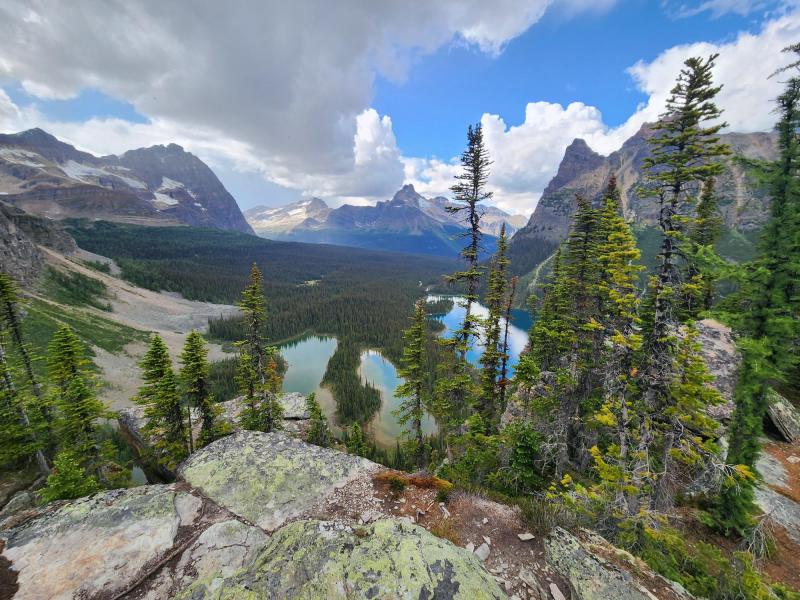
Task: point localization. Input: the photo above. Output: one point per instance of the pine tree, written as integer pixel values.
(78, 409)
(357, 442)
(318, 432)
(411, 410)
(767, 310)
(68, 479)
(21, 439)
(504, 354)
(704, 232)
(488, 401)
(194, 379)
(455, 388)
(166, 420)
(258, 374)
(685, 151)
(10, 317)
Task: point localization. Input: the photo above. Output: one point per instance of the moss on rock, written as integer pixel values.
(329, 560)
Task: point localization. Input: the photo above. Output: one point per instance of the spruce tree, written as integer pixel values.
(159, 394)
(357, 442)
(685, 151)
(767, 310)
(412, 408)
(258, 374)
(73, 396)
(488, 401)
(69, 479)
(704, 232)
(318, 432)
(21, 438)
(9, 315)
(455, 388)
(502, 383)
(194, 380)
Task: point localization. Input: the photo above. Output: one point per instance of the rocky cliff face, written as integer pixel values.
(158, 185)
(20, 233)
(744, 204)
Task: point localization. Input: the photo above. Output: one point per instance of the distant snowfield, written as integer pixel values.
(22, 157)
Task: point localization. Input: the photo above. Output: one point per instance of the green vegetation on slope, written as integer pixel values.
(75, 289)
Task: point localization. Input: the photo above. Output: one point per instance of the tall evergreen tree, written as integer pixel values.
(685, 151)
(194, 379)
(504, 355)
(258, 374)
(704, 232)
(412, 409)
(318, 432)
(488, 401)
(21, 438)
(74, 398)
(767, 310)
(10, 317)
(166, 419)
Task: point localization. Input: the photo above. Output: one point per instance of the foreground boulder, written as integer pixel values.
(596, 570)
(784, 416)
(268, 478)
(132, 422)
(387, 559)
(98, 546)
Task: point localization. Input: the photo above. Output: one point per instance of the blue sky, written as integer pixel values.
(584, 58)
(350, 102)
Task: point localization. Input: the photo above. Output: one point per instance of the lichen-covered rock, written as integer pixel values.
(132, 421)
(782, 510)
(219, 552)
(96, 545)
(784, 416)
(329, 560)
(592, 577)
(268, 478)
(722, 359)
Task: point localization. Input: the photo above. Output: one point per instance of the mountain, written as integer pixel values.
(743, 202)
(158, 185)
(408, 222)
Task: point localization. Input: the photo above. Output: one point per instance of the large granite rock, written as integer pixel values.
(784, 416)
(594, 577)
(132, 421)
(722, 359)
(220, 551)
(268, 478)
(100, 545)
(330, 560)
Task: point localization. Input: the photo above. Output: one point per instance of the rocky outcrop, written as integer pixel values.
(101, 545)
(595, 570)
(260, 515)
(284, 476)
(132, 422)
(718, 348)
(784, 416)
(388, 559)
(19, 256)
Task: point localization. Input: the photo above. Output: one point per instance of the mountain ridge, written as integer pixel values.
(406, 222)
(45, 176)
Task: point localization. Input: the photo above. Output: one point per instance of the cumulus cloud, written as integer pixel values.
(286, 83)
(526, 156)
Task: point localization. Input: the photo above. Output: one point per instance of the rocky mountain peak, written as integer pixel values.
(578, 158)
(407, 195)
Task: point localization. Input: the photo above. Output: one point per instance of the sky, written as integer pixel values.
(349, 100)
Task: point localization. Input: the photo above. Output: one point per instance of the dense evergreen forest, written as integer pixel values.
(355, 294)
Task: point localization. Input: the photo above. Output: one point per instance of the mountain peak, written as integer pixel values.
(36, 136)
(578, 158)
(407, 195)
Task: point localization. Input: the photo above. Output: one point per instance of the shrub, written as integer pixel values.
(68, 479)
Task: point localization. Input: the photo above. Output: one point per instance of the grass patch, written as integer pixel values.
(97, 265)
(75, 289)
(43, 318)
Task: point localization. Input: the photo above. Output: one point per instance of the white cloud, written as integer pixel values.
(281, 87)
(526, 156)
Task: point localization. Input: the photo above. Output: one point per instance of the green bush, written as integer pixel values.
(68, 479)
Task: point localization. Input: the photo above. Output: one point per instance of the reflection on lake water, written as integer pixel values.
(308, 357)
